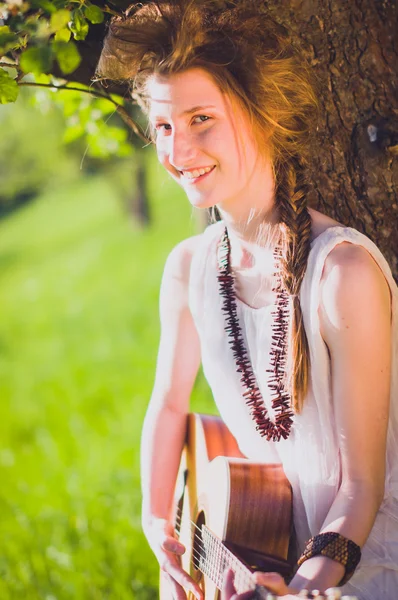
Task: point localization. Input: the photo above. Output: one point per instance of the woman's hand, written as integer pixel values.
(229, 592)
(168, 550)
(273, 582)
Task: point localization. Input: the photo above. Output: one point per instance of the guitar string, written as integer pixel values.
(193, 526)
(214, 571)
(200, 545)
(242, 578)
(199, 538)
(241, 571)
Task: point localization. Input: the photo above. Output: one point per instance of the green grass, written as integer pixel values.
(79, 329)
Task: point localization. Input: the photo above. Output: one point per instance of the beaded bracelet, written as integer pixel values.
(334, 546)
(330, 594)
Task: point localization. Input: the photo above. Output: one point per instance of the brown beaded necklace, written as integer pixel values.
(281, 402)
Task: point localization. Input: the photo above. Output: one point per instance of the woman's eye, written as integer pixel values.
(203, 118)
(164, 126)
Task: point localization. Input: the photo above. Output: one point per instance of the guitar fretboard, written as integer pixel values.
(213, 558)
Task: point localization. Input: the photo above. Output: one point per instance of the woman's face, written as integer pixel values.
(205, 141)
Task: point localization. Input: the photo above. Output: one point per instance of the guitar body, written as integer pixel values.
(247, 506)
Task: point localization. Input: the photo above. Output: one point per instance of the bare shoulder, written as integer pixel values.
(351, 264)
(349, 268)
(353, 287)
(178, 263)
(174, 290)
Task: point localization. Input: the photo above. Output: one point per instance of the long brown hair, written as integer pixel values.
(250, 57)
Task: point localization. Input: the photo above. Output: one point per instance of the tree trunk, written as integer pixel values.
(139, 205)
(352, 46)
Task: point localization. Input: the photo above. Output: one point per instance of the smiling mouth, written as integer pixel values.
(197, 173)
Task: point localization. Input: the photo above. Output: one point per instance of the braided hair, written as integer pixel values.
(295, 225)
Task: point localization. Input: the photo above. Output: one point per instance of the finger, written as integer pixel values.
(176, 590)
(228, 591)
(244, 596)
(183, 579)
(228, 588)
(158, 537)
(333, 593)
(168, 588)
(272, 581)
(172, 545)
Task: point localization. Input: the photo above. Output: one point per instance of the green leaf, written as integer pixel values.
(116, 133)
(8, 88)
(70, 102)
(105, 106)
(94, 14)
(63, 35)
(8, 40)
(31, 24)
(104, 140)
(125, 149)
(67, 55)
(37, 60)
(43, 78)
(43, 30)
(50, 6)
(47, 5)
(72, 133)
(79, 26)
(60, 19)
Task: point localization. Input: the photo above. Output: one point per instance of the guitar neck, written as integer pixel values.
(212, 558)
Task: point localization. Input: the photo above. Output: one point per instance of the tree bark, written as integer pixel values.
(352, 46)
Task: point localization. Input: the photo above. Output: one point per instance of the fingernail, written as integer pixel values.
(178, 548)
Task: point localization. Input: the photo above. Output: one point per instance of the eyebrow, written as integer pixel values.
(189, 111)
(196, 108)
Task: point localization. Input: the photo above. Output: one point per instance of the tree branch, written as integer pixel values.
(124, 115)
(9, 65)
(109, 10)
(66, 87)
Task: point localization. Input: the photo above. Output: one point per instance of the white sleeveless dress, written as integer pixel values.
(310, 456)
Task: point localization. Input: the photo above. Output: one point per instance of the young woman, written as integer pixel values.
(304, 307)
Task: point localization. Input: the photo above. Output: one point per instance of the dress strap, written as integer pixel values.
(320, 249)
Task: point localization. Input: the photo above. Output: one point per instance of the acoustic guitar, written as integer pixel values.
(229, 512)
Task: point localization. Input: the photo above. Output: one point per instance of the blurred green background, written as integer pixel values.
(79, 331)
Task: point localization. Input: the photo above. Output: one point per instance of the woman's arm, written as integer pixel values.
(355, 318)
(165, 422)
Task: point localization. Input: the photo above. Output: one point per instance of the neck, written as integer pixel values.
(252, 220)
(253, 238)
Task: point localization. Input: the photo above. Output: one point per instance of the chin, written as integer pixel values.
(202, 205)
(201, 201)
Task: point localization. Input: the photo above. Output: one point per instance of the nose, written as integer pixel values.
(182, 150)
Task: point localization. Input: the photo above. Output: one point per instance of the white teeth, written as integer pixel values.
(196, 172)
